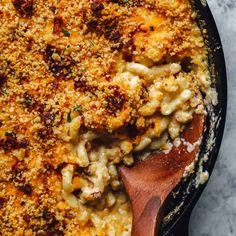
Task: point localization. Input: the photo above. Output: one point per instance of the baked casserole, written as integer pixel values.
(86, 85)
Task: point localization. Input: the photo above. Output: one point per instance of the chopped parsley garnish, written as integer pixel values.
(69, 119)
(91, 43)
(8, 134)
(64, 50)
(66, 33)
(27, 103)
(78, 108)
(4, 91)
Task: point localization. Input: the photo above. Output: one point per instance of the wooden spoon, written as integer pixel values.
(150, 182)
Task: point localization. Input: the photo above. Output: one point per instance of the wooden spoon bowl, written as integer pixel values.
(150, 182)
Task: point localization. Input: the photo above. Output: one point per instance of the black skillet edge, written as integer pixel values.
(178, 225)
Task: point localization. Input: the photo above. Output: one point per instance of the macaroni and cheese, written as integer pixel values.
(86, 85)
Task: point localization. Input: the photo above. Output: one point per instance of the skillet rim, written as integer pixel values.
(179, 224)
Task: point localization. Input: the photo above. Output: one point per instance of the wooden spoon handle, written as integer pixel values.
(148, 221)
(146, 216)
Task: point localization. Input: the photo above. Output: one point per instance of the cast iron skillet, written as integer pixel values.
(178, 223)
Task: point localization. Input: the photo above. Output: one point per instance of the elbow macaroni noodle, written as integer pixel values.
(169, 107)
(172, 100)
(171, 103)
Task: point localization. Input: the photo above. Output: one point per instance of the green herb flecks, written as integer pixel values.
(27, 103)
(91, 43)
(3, 91)
(8, 134)
(66, 33)
(79, 108)
(69, 119)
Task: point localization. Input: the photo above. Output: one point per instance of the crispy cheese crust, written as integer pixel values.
(83, 86)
